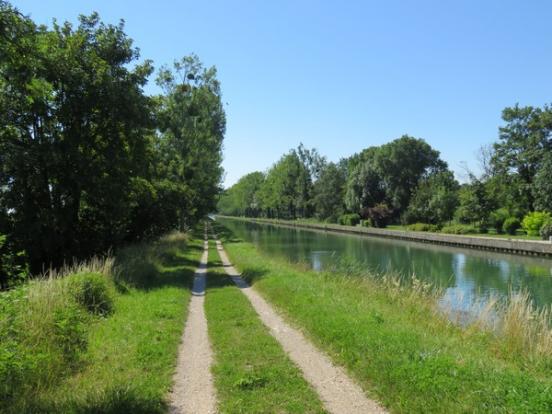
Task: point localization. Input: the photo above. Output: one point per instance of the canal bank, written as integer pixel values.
(523, 247)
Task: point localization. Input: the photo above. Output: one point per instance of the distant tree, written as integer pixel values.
(242, 199)
(475, 204)
(523, 142)
(435, 199)
(390, 174)
(365, 187)
(542, 185)
(329, 192)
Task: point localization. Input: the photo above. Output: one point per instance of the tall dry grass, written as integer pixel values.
(519, 328)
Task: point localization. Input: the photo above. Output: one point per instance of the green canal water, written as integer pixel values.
(467, 276)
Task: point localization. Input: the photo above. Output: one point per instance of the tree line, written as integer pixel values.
(88, 160)
(406, 182)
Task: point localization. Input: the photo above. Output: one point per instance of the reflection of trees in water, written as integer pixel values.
(477, 273)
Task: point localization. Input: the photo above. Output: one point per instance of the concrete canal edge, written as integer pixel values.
(524, 247)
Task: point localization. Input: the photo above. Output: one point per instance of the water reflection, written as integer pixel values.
(465, 275)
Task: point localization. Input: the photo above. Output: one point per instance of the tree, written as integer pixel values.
(435, 199)
(329, 191)
(389, 174)
(475, 204)
(72, 123)
(192, 123)
(524, 141)
(242, 199)
(542, 185)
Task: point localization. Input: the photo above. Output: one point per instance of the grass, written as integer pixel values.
(116, 361)
(400, 348)
(252, 373)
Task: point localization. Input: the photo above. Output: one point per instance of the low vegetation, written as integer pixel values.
(108, 328)
(401, 346)
(252, 372)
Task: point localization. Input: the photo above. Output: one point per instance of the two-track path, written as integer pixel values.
(194, 392)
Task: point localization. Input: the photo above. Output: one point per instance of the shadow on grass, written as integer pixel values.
(116, 400)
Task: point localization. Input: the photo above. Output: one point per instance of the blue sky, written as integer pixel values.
(344, 75)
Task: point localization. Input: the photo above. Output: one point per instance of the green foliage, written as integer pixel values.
(546, 229)
(497, 219)
(542, 185)
(533, 222)
(288, 189)
(435, 199)
(524, 141)
(389, 174)
(93, 291)
(511, 225)
(53, 342)
(349, 219)
(242, 199)
(475, 204)
(329, 192)
(423, 227)
(460, 229)
(13, 267)
(88, 161)
(365, 223)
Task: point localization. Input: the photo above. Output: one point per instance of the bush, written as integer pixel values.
(349, 219)
(460, 229)
(43, 334)
(546, 230)
(511, 224)
(423, 227)
(379, 215)
(533, 222)
(497, 219)
(365, 223)
(93, 291)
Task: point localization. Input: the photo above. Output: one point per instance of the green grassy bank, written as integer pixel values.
(252, 373)
(101, 337)
(400, 348)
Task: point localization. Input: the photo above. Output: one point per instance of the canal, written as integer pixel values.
(465, 275)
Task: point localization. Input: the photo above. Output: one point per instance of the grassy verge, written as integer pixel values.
(398, 346)
(252, 372)
(77, 361)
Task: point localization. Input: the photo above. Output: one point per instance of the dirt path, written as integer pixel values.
(193, 391)
(335, 389)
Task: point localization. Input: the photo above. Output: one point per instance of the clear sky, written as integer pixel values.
(344, 75)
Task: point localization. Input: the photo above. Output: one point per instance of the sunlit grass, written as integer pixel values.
(399, 344)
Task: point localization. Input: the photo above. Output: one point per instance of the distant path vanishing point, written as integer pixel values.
(339, 393)
(193, 391)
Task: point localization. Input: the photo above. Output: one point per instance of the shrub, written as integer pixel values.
(423, 227)
(349, 219)
(497, 219)
(460, 229)
(546, 230)
(365, 223)
(533, 222)
(511, 224)
(93, 291)
(379, 215)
